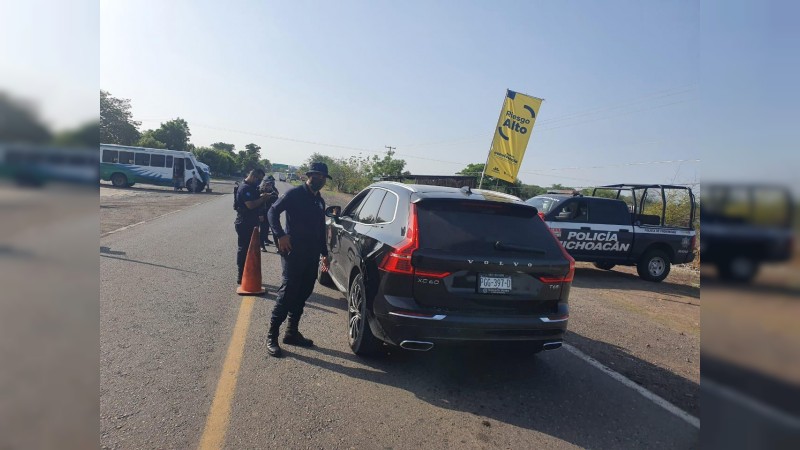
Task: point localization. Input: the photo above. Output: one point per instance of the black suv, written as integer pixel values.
(422, 265)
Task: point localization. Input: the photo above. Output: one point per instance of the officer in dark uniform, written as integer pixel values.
(268, 186)
(249, 204)
(300, 247)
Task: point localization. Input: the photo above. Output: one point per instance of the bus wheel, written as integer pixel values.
(119, 180)
(190, 185)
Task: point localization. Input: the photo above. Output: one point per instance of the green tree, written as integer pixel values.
(19, 122)
(219, 161)
(116, 121)
(386, 167)
(604, 193)
(246, 161)
(475, 170)
(230, 148)
(149, 140)
(174, 133)
(350, 175)
(253, 149)
(266, 165)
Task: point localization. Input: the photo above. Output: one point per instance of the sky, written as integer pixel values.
(624, 82)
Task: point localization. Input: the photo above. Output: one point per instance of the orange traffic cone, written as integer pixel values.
(251, 277)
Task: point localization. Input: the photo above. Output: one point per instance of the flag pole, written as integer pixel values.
(491, 145)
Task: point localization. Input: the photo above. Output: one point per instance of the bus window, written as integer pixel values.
(189, 164)
(169, 161)
(110, 156)
(126, 158)
(157, 160)
(142, 159)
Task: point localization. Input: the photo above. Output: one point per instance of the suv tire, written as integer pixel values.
(359, 335)
(654, 265)
(604, 265)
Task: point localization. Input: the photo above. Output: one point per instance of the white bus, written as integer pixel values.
(125, 166)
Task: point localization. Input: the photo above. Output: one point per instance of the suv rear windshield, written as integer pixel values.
(475, 227)
(543, 204)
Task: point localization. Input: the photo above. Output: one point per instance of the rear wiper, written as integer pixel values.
(517, 248)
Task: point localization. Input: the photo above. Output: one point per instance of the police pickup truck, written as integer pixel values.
(609, 232)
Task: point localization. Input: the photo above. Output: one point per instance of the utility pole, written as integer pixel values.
(390, 148)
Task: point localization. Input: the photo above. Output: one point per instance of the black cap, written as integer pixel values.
(319, 167)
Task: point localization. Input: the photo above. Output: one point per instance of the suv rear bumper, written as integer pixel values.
(397, 327)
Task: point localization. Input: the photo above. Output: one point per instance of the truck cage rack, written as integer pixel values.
(639, 206)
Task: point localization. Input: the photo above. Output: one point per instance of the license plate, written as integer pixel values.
(494, 284)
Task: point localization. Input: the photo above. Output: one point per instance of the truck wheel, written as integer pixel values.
(604, 265)
(119, 180)
(740, 269)
(654, 266)
(324, 278)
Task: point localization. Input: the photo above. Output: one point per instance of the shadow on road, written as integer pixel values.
(272, 292)
(108, 255)
(166, 190)
(676, 389)
(545, 393)
(610, 279)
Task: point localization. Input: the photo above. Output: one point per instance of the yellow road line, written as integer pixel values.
(219, 415)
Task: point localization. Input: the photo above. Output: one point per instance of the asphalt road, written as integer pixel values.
(168, 311)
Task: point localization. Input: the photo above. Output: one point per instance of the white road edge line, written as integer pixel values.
(759, 407)
(146, 221)
(688, 418)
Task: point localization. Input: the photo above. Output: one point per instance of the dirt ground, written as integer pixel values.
(649, 332)
(122, 207)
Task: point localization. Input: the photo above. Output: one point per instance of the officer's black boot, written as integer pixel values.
(294, 337)
(272, 341)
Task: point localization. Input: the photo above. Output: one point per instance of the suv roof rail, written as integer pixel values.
(571, 192)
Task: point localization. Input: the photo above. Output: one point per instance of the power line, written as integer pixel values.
(655, 95)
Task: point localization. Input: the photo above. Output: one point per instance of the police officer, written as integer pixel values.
(300, 247)
(249, 204)
(268, 186)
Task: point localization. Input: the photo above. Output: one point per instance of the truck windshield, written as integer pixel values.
(543, 204)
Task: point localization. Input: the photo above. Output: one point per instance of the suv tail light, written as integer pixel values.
(571, 274)
(399, 260)
(692, 242)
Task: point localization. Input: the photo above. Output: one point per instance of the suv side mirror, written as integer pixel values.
(334, 212)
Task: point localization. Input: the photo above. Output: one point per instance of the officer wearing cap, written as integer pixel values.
(249, 204)
(300, 246)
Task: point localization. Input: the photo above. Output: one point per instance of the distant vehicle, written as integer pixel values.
(292, 177)
(32, 165)
(607, 232)
(745, 225)
(282, 176)
(422, 265)
(125, 166)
